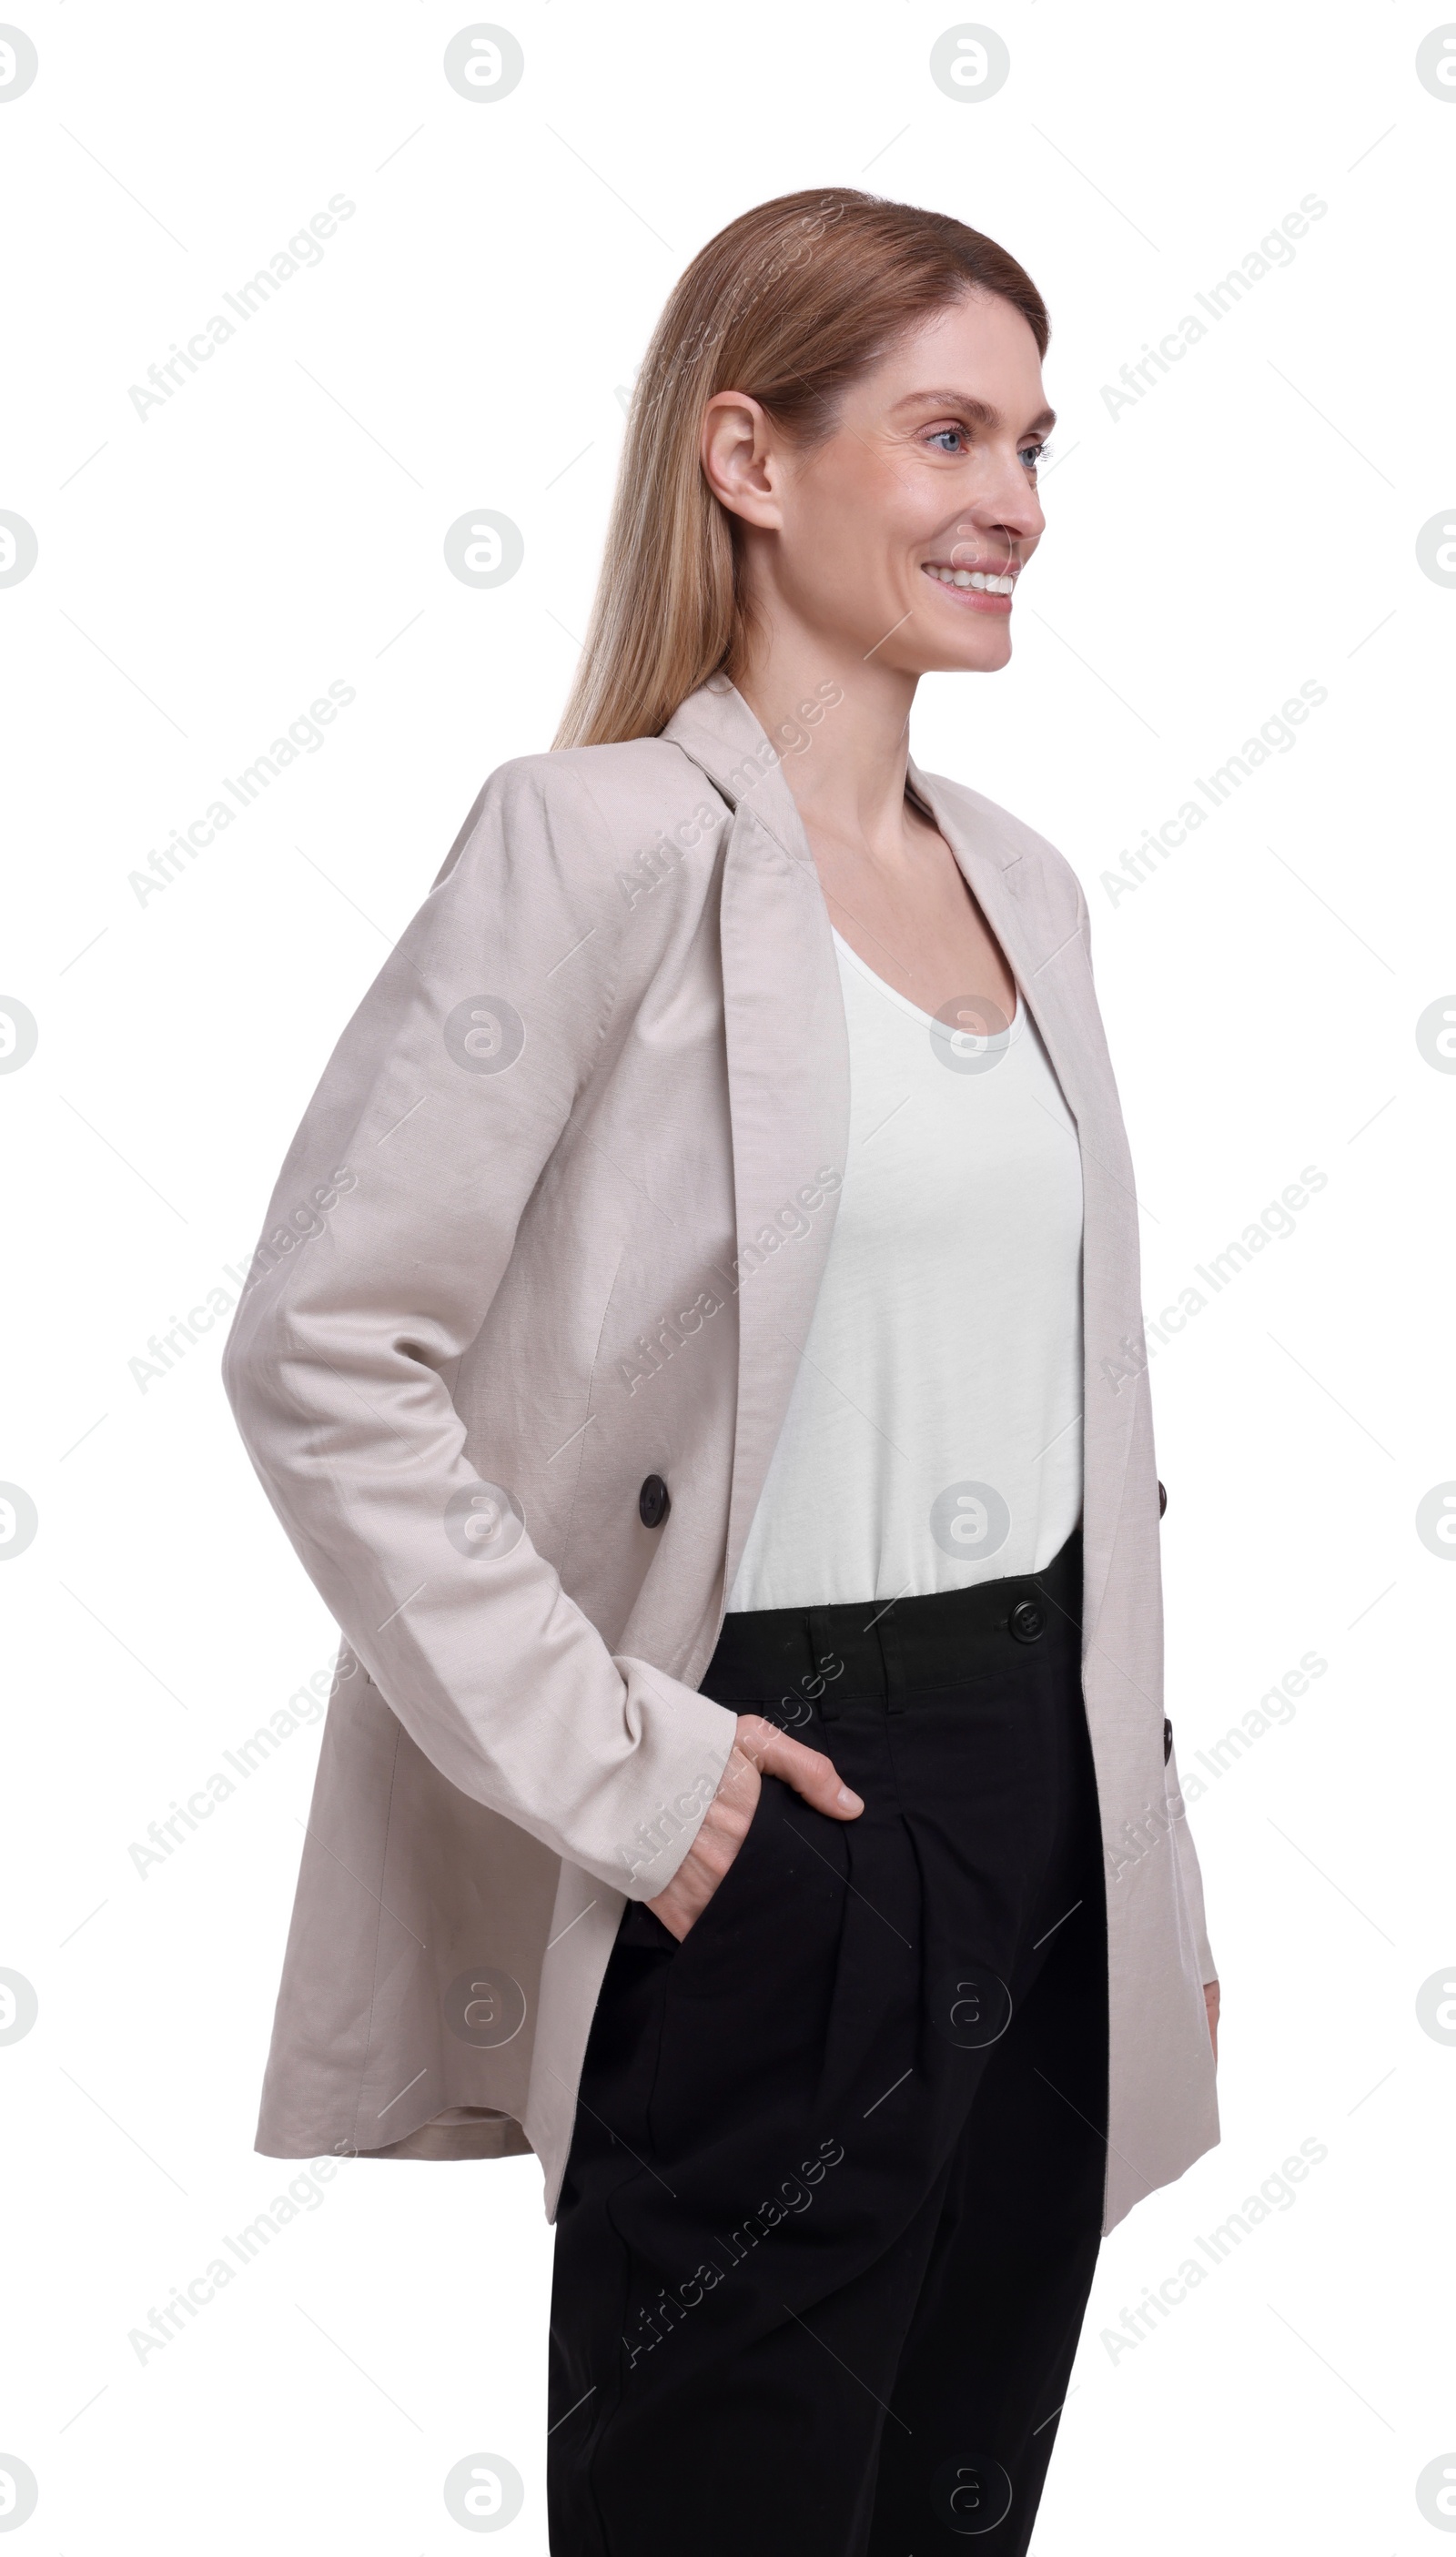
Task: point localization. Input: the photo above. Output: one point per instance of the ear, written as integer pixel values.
(741, 458)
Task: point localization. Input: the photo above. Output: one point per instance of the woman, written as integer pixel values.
(694, 1352)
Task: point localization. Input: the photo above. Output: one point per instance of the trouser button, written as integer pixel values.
(1028, 1620)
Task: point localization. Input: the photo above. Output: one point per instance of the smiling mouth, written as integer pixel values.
(974, 581)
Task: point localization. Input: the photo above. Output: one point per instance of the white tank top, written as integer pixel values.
(933, 1436)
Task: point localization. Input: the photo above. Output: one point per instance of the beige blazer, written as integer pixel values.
(552, 1224)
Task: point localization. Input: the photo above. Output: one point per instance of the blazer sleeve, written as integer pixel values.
(386, 1238)
(1189, 1874)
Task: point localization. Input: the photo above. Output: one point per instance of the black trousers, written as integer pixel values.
(834, 2190)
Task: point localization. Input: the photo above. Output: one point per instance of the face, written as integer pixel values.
(903, 535)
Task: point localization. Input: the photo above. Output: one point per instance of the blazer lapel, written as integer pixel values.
(789, 1071)
(1052, 968)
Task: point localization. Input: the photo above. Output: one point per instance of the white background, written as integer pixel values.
(1247, 524)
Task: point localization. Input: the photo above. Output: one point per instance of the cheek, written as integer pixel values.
(915, 512)
(857, 537)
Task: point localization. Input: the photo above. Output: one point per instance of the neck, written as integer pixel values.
(848, 777)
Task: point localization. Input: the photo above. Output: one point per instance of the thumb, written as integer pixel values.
(812, 1774)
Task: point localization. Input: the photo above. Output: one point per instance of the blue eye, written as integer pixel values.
(1035, 454)
(948, 438)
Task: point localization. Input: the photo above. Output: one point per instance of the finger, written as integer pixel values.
(671, 1916)
(769, 1747)
(813, 1776)
(737, 1787)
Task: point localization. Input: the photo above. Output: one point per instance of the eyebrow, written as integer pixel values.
(979, 412)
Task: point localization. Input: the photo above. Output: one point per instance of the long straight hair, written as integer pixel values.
(790, 303)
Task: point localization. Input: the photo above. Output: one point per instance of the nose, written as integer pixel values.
(1004, 520)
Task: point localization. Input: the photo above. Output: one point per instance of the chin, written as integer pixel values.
(994, 653)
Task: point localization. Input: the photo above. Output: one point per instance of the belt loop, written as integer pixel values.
(887, 1633)
(822, 1659)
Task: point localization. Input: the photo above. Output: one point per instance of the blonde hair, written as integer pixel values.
(789, 304)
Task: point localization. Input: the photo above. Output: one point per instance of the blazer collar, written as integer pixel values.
(717, 729)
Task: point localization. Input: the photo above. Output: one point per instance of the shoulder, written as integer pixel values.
(561, 853)
(1013, 842)
(592, 809)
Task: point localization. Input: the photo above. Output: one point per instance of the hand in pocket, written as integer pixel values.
(759, 1749)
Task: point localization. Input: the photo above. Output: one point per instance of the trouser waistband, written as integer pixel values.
(888, 1651)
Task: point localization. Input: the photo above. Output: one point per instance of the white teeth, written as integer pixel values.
(963, 576)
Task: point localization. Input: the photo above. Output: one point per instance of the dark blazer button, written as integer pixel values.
(1027, 1621)
(1162, 1499)
(653, 1501)
(1167, 1740)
